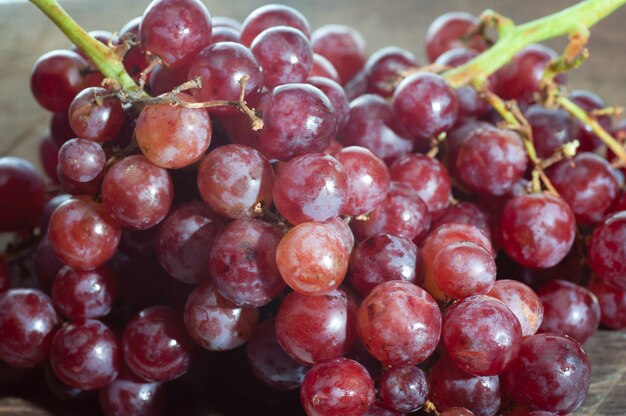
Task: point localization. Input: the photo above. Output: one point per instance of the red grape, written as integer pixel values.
(95, 116)
(522, 301)
(81, 160)
(384, 68)
(22, 194)
(612, 304)
(84, 294)
(404, 388)
(130, 395)
(343, 46)
(448, 31)
(272, 15)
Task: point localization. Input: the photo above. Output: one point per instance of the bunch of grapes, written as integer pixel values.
(349, 228)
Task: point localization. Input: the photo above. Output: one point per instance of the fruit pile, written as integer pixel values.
(256, 203)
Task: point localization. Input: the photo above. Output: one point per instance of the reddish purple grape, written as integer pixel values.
(135, 61)
(588, 101)
(313, 329)
(234, 179)
(27, 324)
(49, 157)
(221, 67)
(225, 21)
(156, 346)
(491, 161)
(82, 234)
(56, 78)
(588, 184)
(463, 213)
(335, 94)
(215, 323)
(379, 409)
(384, 69)
(343, 231)
(81, 160)
(551, 373)
(463, 269)
(368, 179)
(269, 362)
(130, 395)
(311, 187)
(243, 263)
(612, 304)
(312, 258)
(551, 129)
(175, 30)
(284, 54)
(272, 15)
(184, 240)
(404, 388)
(522, 301)
(337, 387)
(382, 258)
(452, 387)
(448, 31)
(323, 68)
(84, 294)
(607, 252)
(137, 193)
(481, 335)
(60, 129)
(298, 119)
(425, 104)
(22, 194)
(173, 136)
(343, 46)
(85, 354)
(537, 230)
(62, 391)
(569, 309)
(95, 115)
(399, 323)
(371, 124)
(163, 79)
(225, 34)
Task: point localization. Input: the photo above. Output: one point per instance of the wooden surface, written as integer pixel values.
(25, 34)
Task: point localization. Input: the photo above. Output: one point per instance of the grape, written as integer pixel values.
(463, 213)
(343, 46)
(491, 161)
(312, 260)
(47, 264)
(537, 230)
(69, 186)
(612, 304)
(81, 160)
(64, 391)
(607, 254)
(452, 387)
(85, 354)
(80, 294)
(425, 104)
(448, 31)
(368, 179)
(569, 310)
(481, 335)
(551, 129)
(463, 269)
(221, 67)
(371, 124)
(95, 116)
(184, 240)
(56, 78)
(323, 68)
(311, 187)
(173, 137)
(156, 347)
(130, 395)
(384, 69)
(22, 194)
(234, 179)
(49, 157)
(163, 79)
(82, 234)
(588, 101)
(225, 34)
(426, 176)
(60, 129)
(298, 119)
(269, 362)
(284, 54)
(225, 21)
(382, 258)
(175, 30)
(243, 263)
(215, 323)
(552, 373)
(335, 94)
(379, 409)
(404, 388)
(137, 193)
(588, 184)
(337, 387)
(27, 324)
(343, 231)
(399, 323)
(522, 301)
(135, 61)
(272, 15)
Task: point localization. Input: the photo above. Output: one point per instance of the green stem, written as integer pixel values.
(101, 55)
(568, 21)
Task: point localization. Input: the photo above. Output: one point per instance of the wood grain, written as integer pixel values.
(25, 34)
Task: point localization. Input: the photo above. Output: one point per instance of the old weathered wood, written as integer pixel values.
(25, 34)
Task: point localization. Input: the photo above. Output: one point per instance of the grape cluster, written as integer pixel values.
(375, 245)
